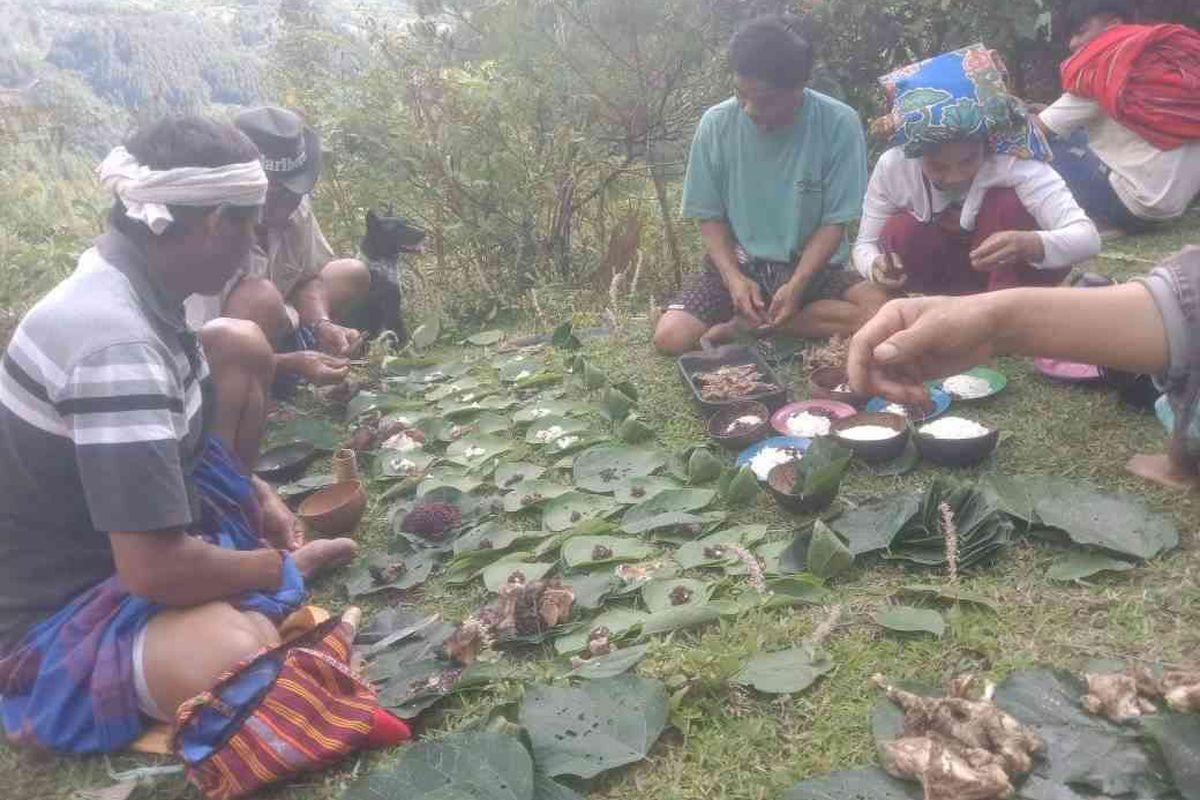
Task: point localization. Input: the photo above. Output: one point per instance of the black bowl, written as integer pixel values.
(823, 383)
(720, 422)
(780, 482)
(957, 452)
(285, 463)
(880, 450)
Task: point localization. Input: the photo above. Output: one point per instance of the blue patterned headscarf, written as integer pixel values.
(956, 96)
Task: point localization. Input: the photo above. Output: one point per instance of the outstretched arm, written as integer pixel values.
(910, 341)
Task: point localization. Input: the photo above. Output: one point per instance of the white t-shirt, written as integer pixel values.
(898, 184)
(1153, 184)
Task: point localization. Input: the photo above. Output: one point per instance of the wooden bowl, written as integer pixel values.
(876, 451)
(957, 452)
(823, 383)
(780, 482)
(719, 422)
(335, 510)
(285, 463)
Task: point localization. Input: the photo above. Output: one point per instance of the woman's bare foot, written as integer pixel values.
(322, 554)
(1157, 467)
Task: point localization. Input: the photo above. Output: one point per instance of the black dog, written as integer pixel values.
(388, 236)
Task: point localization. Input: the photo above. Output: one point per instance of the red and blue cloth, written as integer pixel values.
(954, 97)
(1146, 77)
(68, 685)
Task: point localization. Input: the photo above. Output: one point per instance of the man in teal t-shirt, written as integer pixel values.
(774, 176)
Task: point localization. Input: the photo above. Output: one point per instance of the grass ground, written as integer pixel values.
(727, 743)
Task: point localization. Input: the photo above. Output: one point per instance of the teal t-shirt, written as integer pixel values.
(776, 188)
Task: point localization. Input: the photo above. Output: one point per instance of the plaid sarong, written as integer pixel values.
(68, 684)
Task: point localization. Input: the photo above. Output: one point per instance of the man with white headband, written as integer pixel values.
(292, 286)
(139, 559)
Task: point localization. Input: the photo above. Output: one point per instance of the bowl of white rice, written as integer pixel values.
(956, 441)
(875, 438)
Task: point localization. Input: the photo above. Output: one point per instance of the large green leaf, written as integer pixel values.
(591, 588)
(1085, 755)
(639, 490)
(796, 590)
(785, 671)
(619, 621)
(1178, 739)
(499, 573)
(546, 788)
(403, 464)
(531, 494)
(873, 525)
(947, 594)
(549, 430)
(460, 766)
(317, 431)
(540, 409)
(692, 554)
(673, 619)
(472, 451)
(598, 726)
(827, 557)
(509, 474)
(615, 663)
(568, 510)
(663, 594)
(1119, 524)
(453, 477)
(662, 509)
(615, 405)
(819, 474)
(381, 572)
(520, 368)
(868, 783)
(583, 552)
(604, 468)
(906, 619)
(1075, 565)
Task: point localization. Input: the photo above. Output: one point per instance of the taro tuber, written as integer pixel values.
(1116, 696)
(554, 604)
(958, 747)
(1127, 695)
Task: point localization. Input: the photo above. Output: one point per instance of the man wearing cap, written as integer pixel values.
(139, 559)
(292, 286)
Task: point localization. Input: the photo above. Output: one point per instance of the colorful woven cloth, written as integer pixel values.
(292, 709)
(68, 684)
(957, 96)
(1146, 77)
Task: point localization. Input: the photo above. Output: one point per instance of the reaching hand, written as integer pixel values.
(888, 271)
(281, 527)
(910, 341)
(316, 368)
(748, 301)
(785, 304)
(1007, 249)
(334, 340)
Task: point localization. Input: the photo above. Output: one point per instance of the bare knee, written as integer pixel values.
(346, 280)
(674, 335)
(238, 344)
(187, 650)
(259, 300)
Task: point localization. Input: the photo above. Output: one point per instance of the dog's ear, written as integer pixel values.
(372, 221)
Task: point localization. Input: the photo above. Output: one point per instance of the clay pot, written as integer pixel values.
(335, 510)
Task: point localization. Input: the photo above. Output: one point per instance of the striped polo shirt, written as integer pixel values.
(101, 424)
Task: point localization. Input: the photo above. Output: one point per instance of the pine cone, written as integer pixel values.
(431, 520)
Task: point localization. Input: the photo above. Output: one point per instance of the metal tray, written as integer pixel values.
(690, 364)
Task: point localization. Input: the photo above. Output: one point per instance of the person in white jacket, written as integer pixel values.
(965, 201)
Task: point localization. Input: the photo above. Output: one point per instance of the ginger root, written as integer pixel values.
(1127, 695)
